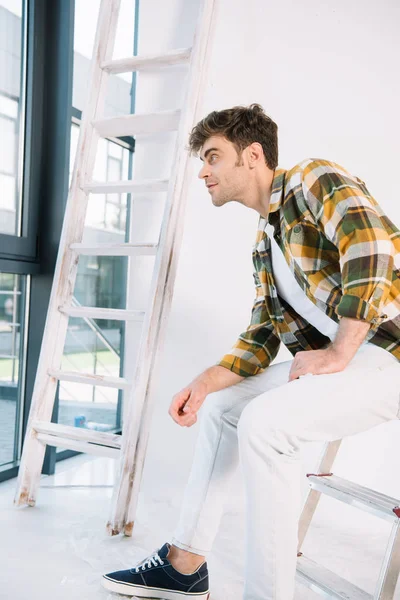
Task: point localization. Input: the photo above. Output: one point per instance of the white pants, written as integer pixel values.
(263, 421)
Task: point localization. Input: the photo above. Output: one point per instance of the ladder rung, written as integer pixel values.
(102, 313)
(81, 434)
(326, 583)
(102, 380)
(356, 495)
(167, 120)
(78, 446)
(138, 63)
(129, 186)
(115, 249)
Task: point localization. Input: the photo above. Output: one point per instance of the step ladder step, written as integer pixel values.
(326, 583)
(78, 446)
(357, 495)
(151, 61)
(115, 249)
(129, 186)
(78, 438)
(102, 313)
(101, 380)
(78, 433)
(138, 124)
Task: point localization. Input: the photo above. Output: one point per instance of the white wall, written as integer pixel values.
(327, 73)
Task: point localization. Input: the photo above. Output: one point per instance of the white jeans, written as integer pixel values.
(263, 421)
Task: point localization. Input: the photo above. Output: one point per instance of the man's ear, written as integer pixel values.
(255, 154)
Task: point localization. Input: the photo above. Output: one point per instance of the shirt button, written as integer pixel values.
(297, 229)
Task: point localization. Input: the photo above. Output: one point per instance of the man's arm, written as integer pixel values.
(336, 357)
(350, 219)
(349, 338)
(258, 345)
(254, 351)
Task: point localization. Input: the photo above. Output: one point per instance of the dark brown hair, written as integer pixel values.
(241, 125)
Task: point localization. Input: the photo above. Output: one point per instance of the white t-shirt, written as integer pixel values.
(290, 290)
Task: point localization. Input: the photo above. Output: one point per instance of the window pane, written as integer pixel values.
(12, 47)
(8, 107)
(105, 212)
(118, 98)
(114, 150)
(12, 311)
(7, 146)
(114, 170)
(94, 346)
(112, 216)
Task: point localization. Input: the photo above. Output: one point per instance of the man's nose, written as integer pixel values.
(204, 171)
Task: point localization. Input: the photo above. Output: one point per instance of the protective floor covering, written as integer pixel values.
(59, 549)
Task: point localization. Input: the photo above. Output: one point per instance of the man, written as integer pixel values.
(327, 275)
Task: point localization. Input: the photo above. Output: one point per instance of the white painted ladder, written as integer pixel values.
(131, 446)
(322, 580)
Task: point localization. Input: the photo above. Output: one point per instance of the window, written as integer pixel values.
(96, 346)
(12, 108)
(13, 299)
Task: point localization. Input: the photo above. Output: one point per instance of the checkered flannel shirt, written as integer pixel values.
(343, 251)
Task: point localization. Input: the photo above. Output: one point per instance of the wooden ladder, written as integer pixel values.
(131, 446)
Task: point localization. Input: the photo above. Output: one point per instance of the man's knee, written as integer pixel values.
(264, 420)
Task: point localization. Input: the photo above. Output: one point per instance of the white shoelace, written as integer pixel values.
(150, 561)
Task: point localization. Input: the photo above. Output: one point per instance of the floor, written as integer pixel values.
(59, 548)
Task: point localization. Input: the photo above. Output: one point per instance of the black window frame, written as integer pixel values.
(48, 99)
(15, 248)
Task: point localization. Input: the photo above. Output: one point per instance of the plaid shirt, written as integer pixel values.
(343, 251)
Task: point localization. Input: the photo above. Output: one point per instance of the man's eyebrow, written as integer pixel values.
(207, 152)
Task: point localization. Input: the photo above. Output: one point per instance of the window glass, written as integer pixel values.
(12, 316)
(95, 346)
(12, 48)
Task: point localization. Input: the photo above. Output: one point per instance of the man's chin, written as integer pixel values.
(218, 201)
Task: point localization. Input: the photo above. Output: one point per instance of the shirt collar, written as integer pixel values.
(276, 200)
(277, 189)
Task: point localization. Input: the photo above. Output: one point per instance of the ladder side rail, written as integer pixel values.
(328, 457)
(67, 262)
(390, 568)
(141, 399)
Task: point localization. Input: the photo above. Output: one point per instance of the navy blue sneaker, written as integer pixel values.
(155, 577)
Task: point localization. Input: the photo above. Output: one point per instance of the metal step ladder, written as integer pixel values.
(322, 580)
(131, 446)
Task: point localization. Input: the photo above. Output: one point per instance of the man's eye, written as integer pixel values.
(212, 157)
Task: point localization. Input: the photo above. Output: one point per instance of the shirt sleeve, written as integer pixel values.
(353, 221)
(256, 347)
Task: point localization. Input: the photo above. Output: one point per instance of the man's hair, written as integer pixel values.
(241, 125)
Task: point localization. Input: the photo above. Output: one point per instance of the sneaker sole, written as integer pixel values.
(146, 592)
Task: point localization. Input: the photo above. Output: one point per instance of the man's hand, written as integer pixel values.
(317, 362)
(187, 402)
(336, 357)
